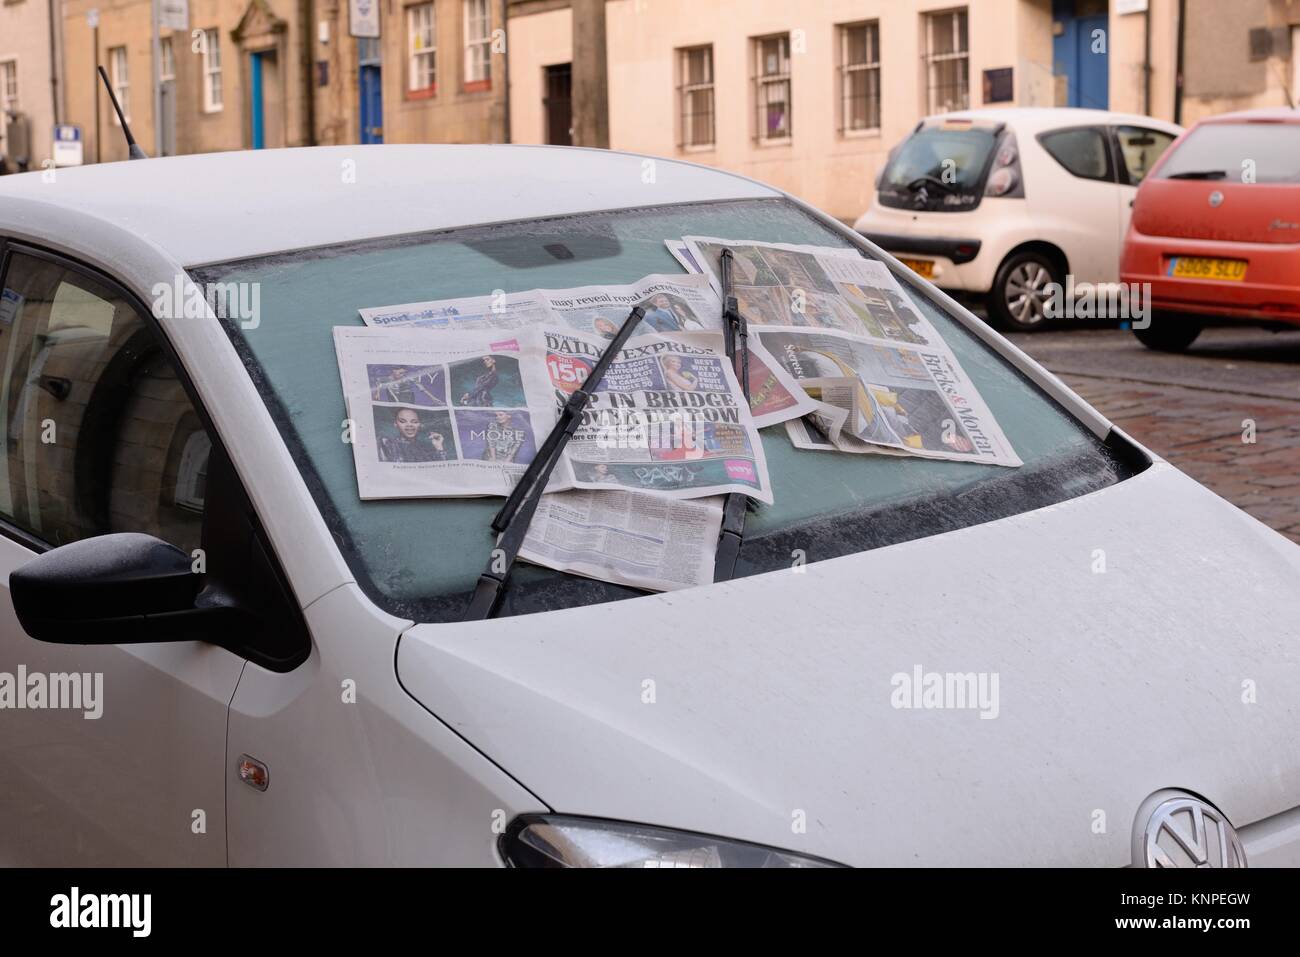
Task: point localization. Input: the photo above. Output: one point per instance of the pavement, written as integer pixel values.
(1199, 409)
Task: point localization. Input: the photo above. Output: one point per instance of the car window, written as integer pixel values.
(100, 436)
(1244, 152)
(420, 558)
(1139, 148)
(939, 167)
(1081, 150)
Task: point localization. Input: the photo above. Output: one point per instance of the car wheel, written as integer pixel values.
(1021, 290)
(1169, 332)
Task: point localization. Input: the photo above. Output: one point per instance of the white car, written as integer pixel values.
(242, 663)
(997, 204)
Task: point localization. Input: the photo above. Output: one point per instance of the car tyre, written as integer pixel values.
(1169, 332)
(1021, 290)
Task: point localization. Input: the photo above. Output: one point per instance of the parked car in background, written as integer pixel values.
(1000, 203)
(1216, 228)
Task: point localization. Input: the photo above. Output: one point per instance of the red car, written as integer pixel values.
(1216, 228)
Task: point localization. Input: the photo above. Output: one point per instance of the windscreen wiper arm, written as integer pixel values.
(517, 513)
(736, 338)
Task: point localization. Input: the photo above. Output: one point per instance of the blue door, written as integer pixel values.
(257, 109)
(370, 92)
(1081, 51)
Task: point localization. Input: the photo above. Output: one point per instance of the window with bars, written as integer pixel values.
(947, 62)
(695, 96)
(422, 48)
(772, 88)
(860, 77)
(121, 82)
(212, 97)
(478, 45)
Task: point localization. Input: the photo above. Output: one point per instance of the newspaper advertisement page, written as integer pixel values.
(630, 538)
(831, 314)
(668, 417)
(454, 414)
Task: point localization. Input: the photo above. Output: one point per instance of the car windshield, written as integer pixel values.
(949, 162)
(1246, 152)
(420, 558)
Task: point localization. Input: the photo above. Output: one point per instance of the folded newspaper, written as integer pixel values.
(843, 326)
(630, 538)
(463, 413)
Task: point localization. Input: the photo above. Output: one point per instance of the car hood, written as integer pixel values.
(1142, 637)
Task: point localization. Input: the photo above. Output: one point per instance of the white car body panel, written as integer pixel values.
(1085, 219)
(773, 692)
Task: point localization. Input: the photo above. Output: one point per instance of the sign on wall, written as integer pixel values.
(67, 145)
(174, 14)
(1130, 6)
(363, 18)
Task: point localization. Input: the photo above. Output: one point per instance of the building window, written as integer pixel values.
(167, 61)
(947, 62)
(422, 47)
(860, 77)
(121, 82)
(478, 45)
(211, 71)
(8, 86)
(772, 88)
(695, 95)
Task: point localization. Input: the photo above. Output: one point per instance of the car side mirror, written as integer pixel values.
(124, 588)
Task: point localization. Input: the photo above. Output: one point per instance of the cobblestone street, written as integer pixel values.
(1196, 409)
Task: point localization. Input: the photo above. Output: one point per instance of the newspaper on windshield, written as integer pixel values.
(463, 413)
(630, 538)
(673, 304)
(840, 319)
(668, 417)
(449, 415)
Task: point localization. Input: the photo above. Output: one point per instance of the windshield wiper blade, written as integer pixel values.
(928, 180)
(736, 338)
(1200, 174)
(517, 513)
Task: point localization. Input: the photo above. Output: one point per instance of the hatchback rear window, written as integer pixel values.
(939, 168)
(420, 558)
(1245, 152)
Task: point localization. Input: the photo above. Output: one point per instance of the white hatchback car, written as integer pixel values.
(999, 203)
(241, 662)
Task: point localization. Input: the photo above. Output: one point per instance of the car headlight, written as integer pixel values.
(558, 841)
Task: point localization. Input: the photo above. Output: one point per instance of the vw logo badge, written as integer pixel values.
(1216, 198)
(1184, 831)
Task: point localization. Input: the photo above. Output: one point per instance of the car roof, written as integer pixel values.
(1034, 119)
(1275, 114)
(214, 207)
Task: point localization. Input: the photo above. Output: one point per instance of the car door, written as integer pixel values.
(122, 759)
(1137, 149)
(1084, 217)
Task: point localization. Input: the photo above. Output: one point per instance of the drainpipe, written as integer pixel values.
(307, 17)
(1178, 67)
(54, 65)
(505, 69)
(1146, 61)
